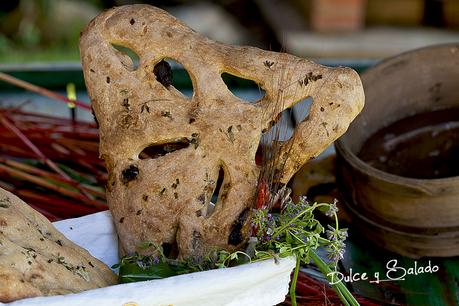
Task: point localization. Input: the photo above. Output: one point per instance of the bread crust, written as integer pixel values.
(37, 260)
(165, 200)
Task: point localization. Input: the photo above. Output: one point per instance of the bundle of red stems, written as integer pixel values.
(52, 163)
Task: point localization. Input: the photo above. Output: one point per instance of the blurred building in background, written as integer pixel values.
(48, 30)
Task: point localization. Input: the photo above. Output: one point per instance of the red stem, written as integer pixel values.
(46, 184)
(40, 90)
(26, 140)
(52, 176)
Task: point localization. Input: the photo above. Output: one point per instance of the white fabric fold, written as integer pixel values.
(262, 283)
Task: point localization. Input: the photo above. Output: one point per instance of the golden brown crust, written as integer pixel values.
(165, 199)
(36, 259)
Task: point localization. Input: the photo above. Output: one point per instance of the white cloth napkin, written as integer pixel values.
(262, 283)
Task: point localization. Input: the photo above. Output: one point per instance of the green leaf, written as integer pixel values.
(283, 249)
(131, 272)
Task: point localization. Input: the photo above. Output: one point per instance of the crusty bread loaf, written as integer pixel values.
(164, 198)
(37, 260)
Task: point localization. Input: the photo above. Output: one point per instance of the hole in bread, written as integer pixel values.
(235, 238)
(244, 89)
(281, 129)
(157, 150)
(220, 190)
(216, 193)
(170, 72)
(127, 57)
(214, 198)
(301, 110)
(170, 250)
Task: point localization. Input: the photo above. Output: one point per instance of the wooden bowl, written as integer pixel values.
(412, 217)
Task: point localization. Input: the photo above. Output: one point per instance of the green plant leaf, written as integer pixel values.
(131, 272)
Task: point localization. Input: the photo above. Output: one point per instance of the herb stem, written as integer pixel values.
(294, 279)
(336, 221)
(343, 293)
(312, 208)
(296, 237)
(342, 297)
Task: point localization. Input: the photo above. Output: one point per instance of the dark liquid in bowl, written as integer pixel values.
(424, 146)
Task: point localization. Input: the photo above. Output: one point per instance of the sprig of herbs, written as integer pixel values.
(293, 232)
(296, 232)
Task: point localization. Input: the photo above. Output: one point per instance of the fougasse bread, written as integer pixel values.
(162, 198)
(37, 260)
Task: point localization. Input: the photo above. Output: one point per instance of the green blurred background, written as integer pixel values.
(48, 30)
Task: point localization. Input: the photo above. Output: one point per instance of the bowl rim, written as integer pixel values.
(343, 150)
(405, 231)
(364, 167)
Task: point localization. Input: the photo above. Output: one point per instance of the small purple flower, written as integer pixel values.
(342, 235)
(335, 254)
(156, 260)
(332, 210)
(330, 235)
(142, 264)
